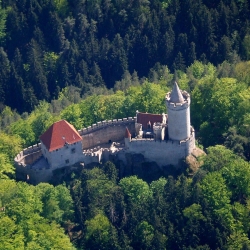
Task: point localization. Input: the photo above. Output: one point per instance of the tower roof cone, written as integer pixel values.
(176, 95)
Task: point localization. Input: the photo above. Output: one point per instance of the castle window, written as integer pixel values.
(73, 150)
(67, 161)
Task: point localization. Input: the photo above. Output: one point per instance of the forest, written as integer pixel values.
(47, 45)
(95, 209)
(91, 60)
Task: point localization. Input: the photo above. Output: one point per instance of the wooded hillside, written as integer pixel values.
(50, 44)
(92, 60)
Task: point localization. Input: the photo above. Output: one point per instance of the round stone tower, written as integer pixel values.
(178, 103)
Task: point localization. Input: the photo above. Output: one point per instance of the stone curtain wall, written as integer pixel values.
(163, 152)
(106, 131)
(94, 135)
(29, 155)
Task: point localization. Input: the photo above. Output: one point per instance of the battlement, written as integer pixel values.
(178, 106)
(26, 152)
(92, 152)
(29, 155)
(104, 124)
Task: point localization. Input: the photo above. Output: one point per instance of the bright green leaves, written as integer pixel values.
(213, 112)
(99, 232)
(72, 114)
(98, 227)
(234, 170)
(157, 187)
(24, 129)
(5, 166)
(237, 175)
(194, 212)
(57, 202)
(215, 191)
(29, 130)
(11, 235)
(217, 158)
(22, 223)
(217, 196)
(135, 189)
(226, 190)
(10, 145)
(148, 97)
(42, 119)
(50, 60)
(145, 234)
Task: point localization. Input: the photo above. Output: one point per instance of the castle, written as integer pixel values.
(165, 139)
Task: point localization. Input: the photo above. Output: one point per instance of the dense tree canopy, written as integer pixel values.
(92, 60)
(207, 211)
(49, 45)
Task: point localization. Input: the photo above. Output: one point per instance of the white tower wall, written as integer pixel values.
(178, 122)
(178, 105)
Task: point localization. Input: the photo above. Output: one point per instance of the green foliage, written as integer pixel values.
(10, 146)
(158, 186)
(135, 189)
(57, 202)
(43, 119)
(3, 16)
(145, 234)
(217, 158)
(99, 233)
(111, 171)
(246, 46)
(11, 236)
(217, 195)
(72, 114)
(212, 111)
(22, 223)
(6, 168)
(194, 212)
(142, 35)
(24, 129)
(50, 60)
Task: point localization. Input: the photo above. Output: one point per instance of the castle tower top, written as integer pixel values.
(178, 103)
(176, 95)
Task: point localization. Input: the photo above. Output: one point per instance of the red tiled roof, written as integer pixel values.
(144, 118)
(127, 133)
(58, 134)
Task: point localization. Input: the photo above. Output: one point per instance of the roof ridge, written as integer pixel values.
(59, 133)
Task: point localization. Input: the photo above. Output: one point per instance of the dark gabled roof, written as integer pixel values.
(145, 118)
(58, 134)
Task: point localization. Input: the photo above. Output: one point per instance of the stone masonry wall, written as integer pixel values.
(29, 155)
(97, 134)
(106, 131)
(162, 152)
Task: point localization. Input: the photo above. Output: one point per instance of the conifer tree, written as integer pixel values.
(36, 72)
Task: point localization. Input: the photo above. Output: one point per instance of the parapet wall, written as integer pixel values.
(92, 136)
(106, 132)
(29, 155)
(163, 152)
